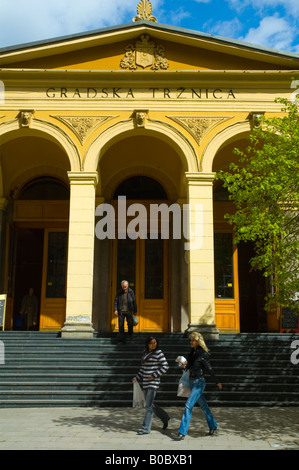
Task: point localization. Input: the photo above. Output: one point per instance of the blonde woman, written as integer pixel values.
(197, 364)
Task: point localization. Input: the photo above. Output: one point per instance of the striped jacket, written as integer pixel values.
(152, 364)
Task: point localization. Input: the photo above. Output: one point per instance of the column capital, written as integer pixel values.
(83, 177)
(200, 178)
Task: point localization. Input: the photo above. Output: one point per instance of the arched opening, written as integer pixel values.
(143, 261)
(147, 171)
(140, 188)
(239, 291)
(44, 188)
(37, 253)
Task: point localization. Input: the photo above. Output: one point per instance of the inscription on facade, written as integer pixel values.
(149, 94)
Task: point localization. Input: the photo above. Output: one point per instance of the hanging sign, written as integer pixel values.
(2, 310)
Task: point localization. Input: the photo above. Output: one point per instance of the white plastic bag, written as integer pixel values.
(138, 396)
(183, 387)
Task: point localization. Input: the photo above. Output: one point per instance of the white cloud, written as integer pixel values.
(175, 17)
(272, 31)
(228, 29)
(291, 7)
(33, 20)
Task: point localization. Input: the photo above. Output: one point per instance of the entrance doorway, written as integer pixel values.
(53, 298)
(28, 268)
(40, 261)
(253, 317)
(144, 264)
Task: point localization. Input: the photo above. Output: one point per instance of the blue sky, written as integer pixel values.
(268, 23)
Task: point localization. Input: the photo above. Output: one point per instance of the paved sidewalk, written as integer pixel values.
(115, 429)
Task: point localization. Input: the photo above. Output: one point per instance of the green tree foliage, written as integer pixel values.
(264, 187)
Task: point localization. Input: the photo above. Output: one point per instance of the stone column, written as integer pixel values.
(200, 255)
(78, 322)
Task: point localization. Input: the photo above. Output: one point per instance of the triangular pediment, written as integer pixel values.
(145, 46)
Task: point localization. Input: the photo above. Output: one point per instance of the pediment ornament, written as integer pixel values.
(83, 126)
(144, 11)
(198, 127)
(144, 53)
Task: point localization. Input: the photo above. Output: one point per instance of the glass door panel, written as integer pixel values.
(126, 262)
(56, 265)
(224, 272)
(154, 269)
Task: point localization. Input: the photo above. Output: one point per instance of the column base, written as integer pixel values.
(207, 331)
(77, 330)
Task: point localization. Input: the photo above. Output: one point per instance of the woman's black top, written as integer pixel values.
(198, 364)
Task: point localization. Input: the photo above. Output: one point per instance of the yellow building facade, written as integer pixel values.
(150, 113)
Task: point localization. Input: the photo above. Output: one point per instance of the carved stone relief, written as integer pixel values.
(141, 117)
(25, 118)
(145, 53)
(83, 126)
(198, 127)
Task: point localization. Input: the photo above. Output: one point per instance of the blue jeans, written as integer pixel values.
(151, 408)
(197, 387)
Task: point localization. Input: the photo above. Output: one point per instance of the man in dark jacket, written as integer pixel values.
(124, 307)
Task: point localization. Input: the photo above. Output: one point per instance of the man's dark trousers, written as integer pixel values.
(121, 324)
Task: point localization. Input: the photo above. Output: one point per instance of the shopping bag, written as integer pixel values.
(19, 321)
(135, 320)
(138, 396)
(183, 387)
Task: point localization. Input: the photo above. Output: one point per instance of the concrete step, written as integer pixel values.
(42, 369)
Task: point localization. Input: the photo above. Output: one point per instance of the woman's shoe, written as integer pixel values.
(179, 437)
(140, 433)
(165, 424)
(211, 432)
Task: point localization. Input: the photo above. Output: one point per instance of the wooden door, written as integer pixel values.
(154, 285)
(53, 297)
(144, 264)
(226, 283)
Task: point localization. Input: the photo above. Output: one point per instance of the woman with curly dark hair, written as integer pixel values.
(153, 366)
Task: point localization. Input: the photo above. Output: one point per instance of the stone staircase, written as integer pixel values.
(41, 369)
